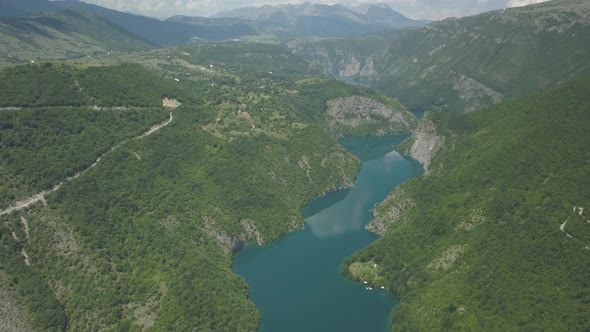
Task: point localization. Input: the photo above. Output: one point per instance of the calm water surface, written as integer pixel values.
(296, 281)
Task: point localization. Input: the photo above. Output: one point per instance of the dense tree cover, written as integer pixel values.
(43, 146)
(143, 240)
(47, 314)
(483, 248)
(50, 84)
(140, 229)
(58, 134)
(256, 59)
(41, 84)
(127, 85)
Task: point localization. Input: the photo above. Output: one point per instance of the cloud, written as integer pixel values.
(521, 3)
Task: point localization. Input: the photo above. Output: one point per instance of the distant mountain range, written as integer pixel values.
(282, 21)
(159, 32)
(62, 34)
(326, 20)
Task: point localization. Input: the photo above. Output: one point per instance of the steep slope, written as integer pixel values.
(350, 59)
(469, 63)
(382, 13)
(149, 29)
(24, 7)
(57, 120)
(142, 236)
(497, 236)
(69, 33)
(54, 139)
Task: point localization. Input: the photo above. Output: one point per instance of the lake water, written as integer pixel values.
(296, 281)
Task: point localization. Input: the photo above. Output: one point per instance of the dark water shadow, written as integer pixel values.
(371, 147)
(324, 202)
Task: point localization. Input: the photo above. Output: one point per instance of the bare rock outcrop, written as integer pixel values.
(170, 102)
(426, 143)
(349, 113)
(232, 243)
(447, 258)
(392, 209)
(475, 94)
(227, 242)
(251, 231)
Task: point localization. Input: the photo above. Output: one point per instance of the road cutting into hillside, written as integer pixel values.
(40, 197)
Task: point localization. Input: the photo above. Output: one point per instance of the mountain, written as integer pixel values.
(124, 191)
(384, 14)
(280, 21)
(496, 237)
(24, 7)
(62, 34)
(324, 20)
(150, 29)
(161, 32)
(466, 64)
(128, 180)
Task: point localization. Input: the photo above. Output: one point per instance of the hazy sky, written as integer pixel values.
(428, 9)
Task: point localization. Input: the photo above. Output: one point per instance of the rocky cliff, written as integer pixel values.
(390, 211)
(465, 64)
(426, 143)
(344, 64)
(358, 115)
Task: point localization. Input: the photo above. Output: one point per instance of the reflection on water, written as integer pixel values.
(318, 205)
(368, 148)
(296, 282)
(354, 210)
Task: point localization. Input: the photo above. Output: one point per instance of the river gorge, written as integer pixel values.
(296, 281)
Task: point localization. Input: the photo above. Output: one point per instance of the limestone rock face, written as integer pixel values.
(170, 103)
(348, 115)
(426, 143)
(391, 210)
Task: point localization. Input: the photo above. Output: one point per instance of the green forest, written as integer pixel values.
(483, 247)
(130, 174)
(144, 239)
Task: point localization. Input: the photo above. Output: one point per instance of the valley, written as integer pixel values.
(262, 168)
(468, 63)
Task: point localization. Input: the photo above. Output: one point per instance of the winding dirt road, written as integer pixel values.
(40, 197)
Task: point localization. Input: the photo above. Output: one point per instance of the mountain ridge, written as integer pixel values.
(324, 20)
(62, 34)
(468, 63)
(482, 239)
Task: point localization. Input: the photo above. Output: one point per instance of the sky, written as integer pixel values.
(417, 9)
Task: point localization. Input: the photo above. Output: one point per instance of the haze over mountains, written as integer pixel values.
(326, 20)
(284, 21)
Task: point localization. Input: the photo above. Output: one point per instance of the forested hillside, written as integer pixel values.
(130, 174)
(142, 237)
(63, 34)
(497, 236)
(56, 120)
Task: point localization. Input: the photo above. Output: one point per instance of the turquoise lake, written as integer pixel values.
(296, 281)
